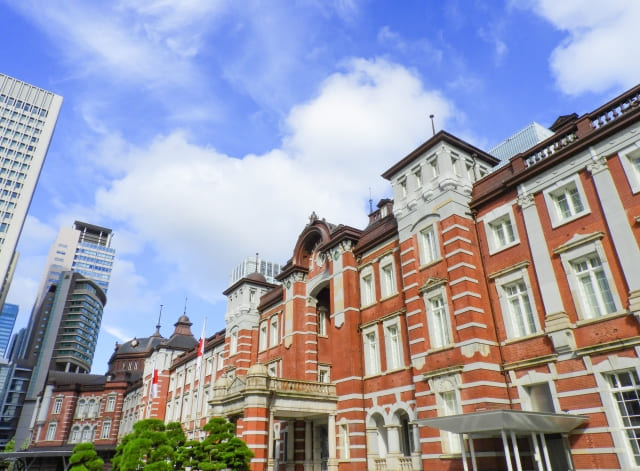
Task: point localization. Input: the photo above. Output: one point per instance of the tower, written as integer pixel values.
(84, 248)
(7, 321)
(28, 115)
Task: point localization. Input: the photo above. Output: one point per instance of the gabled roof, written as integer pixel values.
(439, 136)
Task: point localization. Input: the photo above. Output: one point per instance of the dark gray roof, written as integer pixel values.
(63, 377)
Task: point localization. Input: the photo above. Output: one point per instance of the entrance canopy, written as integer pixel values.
(494, 422)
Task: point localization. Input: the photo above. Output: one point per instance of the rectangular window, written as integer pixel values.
(388, 278)
(51, 431)
(322, 321)
(367, 289)
(371, 353)
(263, 336)
(111, 402)
(566, 201)
(428, 245)
(449, 406)
(106, 429)
(233, 342)
(625, 389)
(324, 374)
(439, 325)
(57, 405)
(521, 321)
(596, 299)
(344, 441)
(502, 232)
(274, 338)
(393, 346)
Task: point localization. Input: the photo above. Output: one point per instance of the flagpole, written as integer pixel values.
(198, 373)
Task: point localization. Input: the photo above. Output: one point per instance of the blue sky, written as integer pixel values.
(204, 131)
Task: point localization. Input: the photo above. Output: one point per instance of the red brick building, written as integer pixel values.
(486, 318)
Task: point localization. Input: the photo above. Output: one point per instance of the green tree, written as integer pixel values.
(221, 449)
(147, 446)
(10, 446)
(85, 458)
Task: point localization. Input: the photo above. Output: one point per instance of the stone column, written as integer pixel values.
(331, 432)
(308, 445)
(557, 325)
(270, 461)
(623, 239)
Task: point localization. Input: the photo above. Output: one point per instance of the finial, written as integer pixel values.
(433, 126)
(159, 318)
(185, 305)
(370, 202)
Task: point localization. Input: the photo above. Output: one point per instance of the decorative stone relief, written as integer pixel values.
(558, 329)
(471, 349)
(598, 164)
(525, 200)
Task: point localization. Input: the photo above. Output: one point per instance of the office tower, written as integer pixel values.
(7, 321)
(83, 248)
(253, 264)
(63, 332)
(28, 115)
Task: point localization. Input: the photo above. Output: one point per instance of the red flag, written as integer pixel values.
(200, 349)
(154, 382)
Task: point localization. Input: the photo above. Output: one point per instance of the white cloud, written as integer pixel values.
(599, 52)
(150, 45)
(202, 212)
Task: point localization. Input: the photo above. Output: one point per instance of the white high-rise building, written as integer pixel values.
(84, 248)
(28, 116)
(254, 264)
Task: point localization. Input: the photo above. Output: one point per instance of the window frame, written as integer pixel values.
(630, 161)
(110, 405)
(367, 286)
(57, 405)
(51, 431)
(438, 292)
(371, 343)
(517, 275)
(323, 318)
(263, 336)
(427, 257)
(274, 332)
(106, 425)
(577, 250)
(499, 216)
(551, 198)
(394, 353)
(388, 282)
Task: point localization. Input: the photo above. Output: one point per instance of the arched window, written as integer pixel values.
(86, 434)
(106, 429)
(80, 408)
(75, 435)
(91, 408)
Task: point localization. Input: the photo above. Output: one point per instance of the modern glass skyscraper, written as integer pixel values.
(254, 264)
(85, 249)
(28, 116)
(7, 321)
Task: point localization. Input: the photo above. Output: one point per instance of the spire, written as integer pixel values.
(157, 332)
